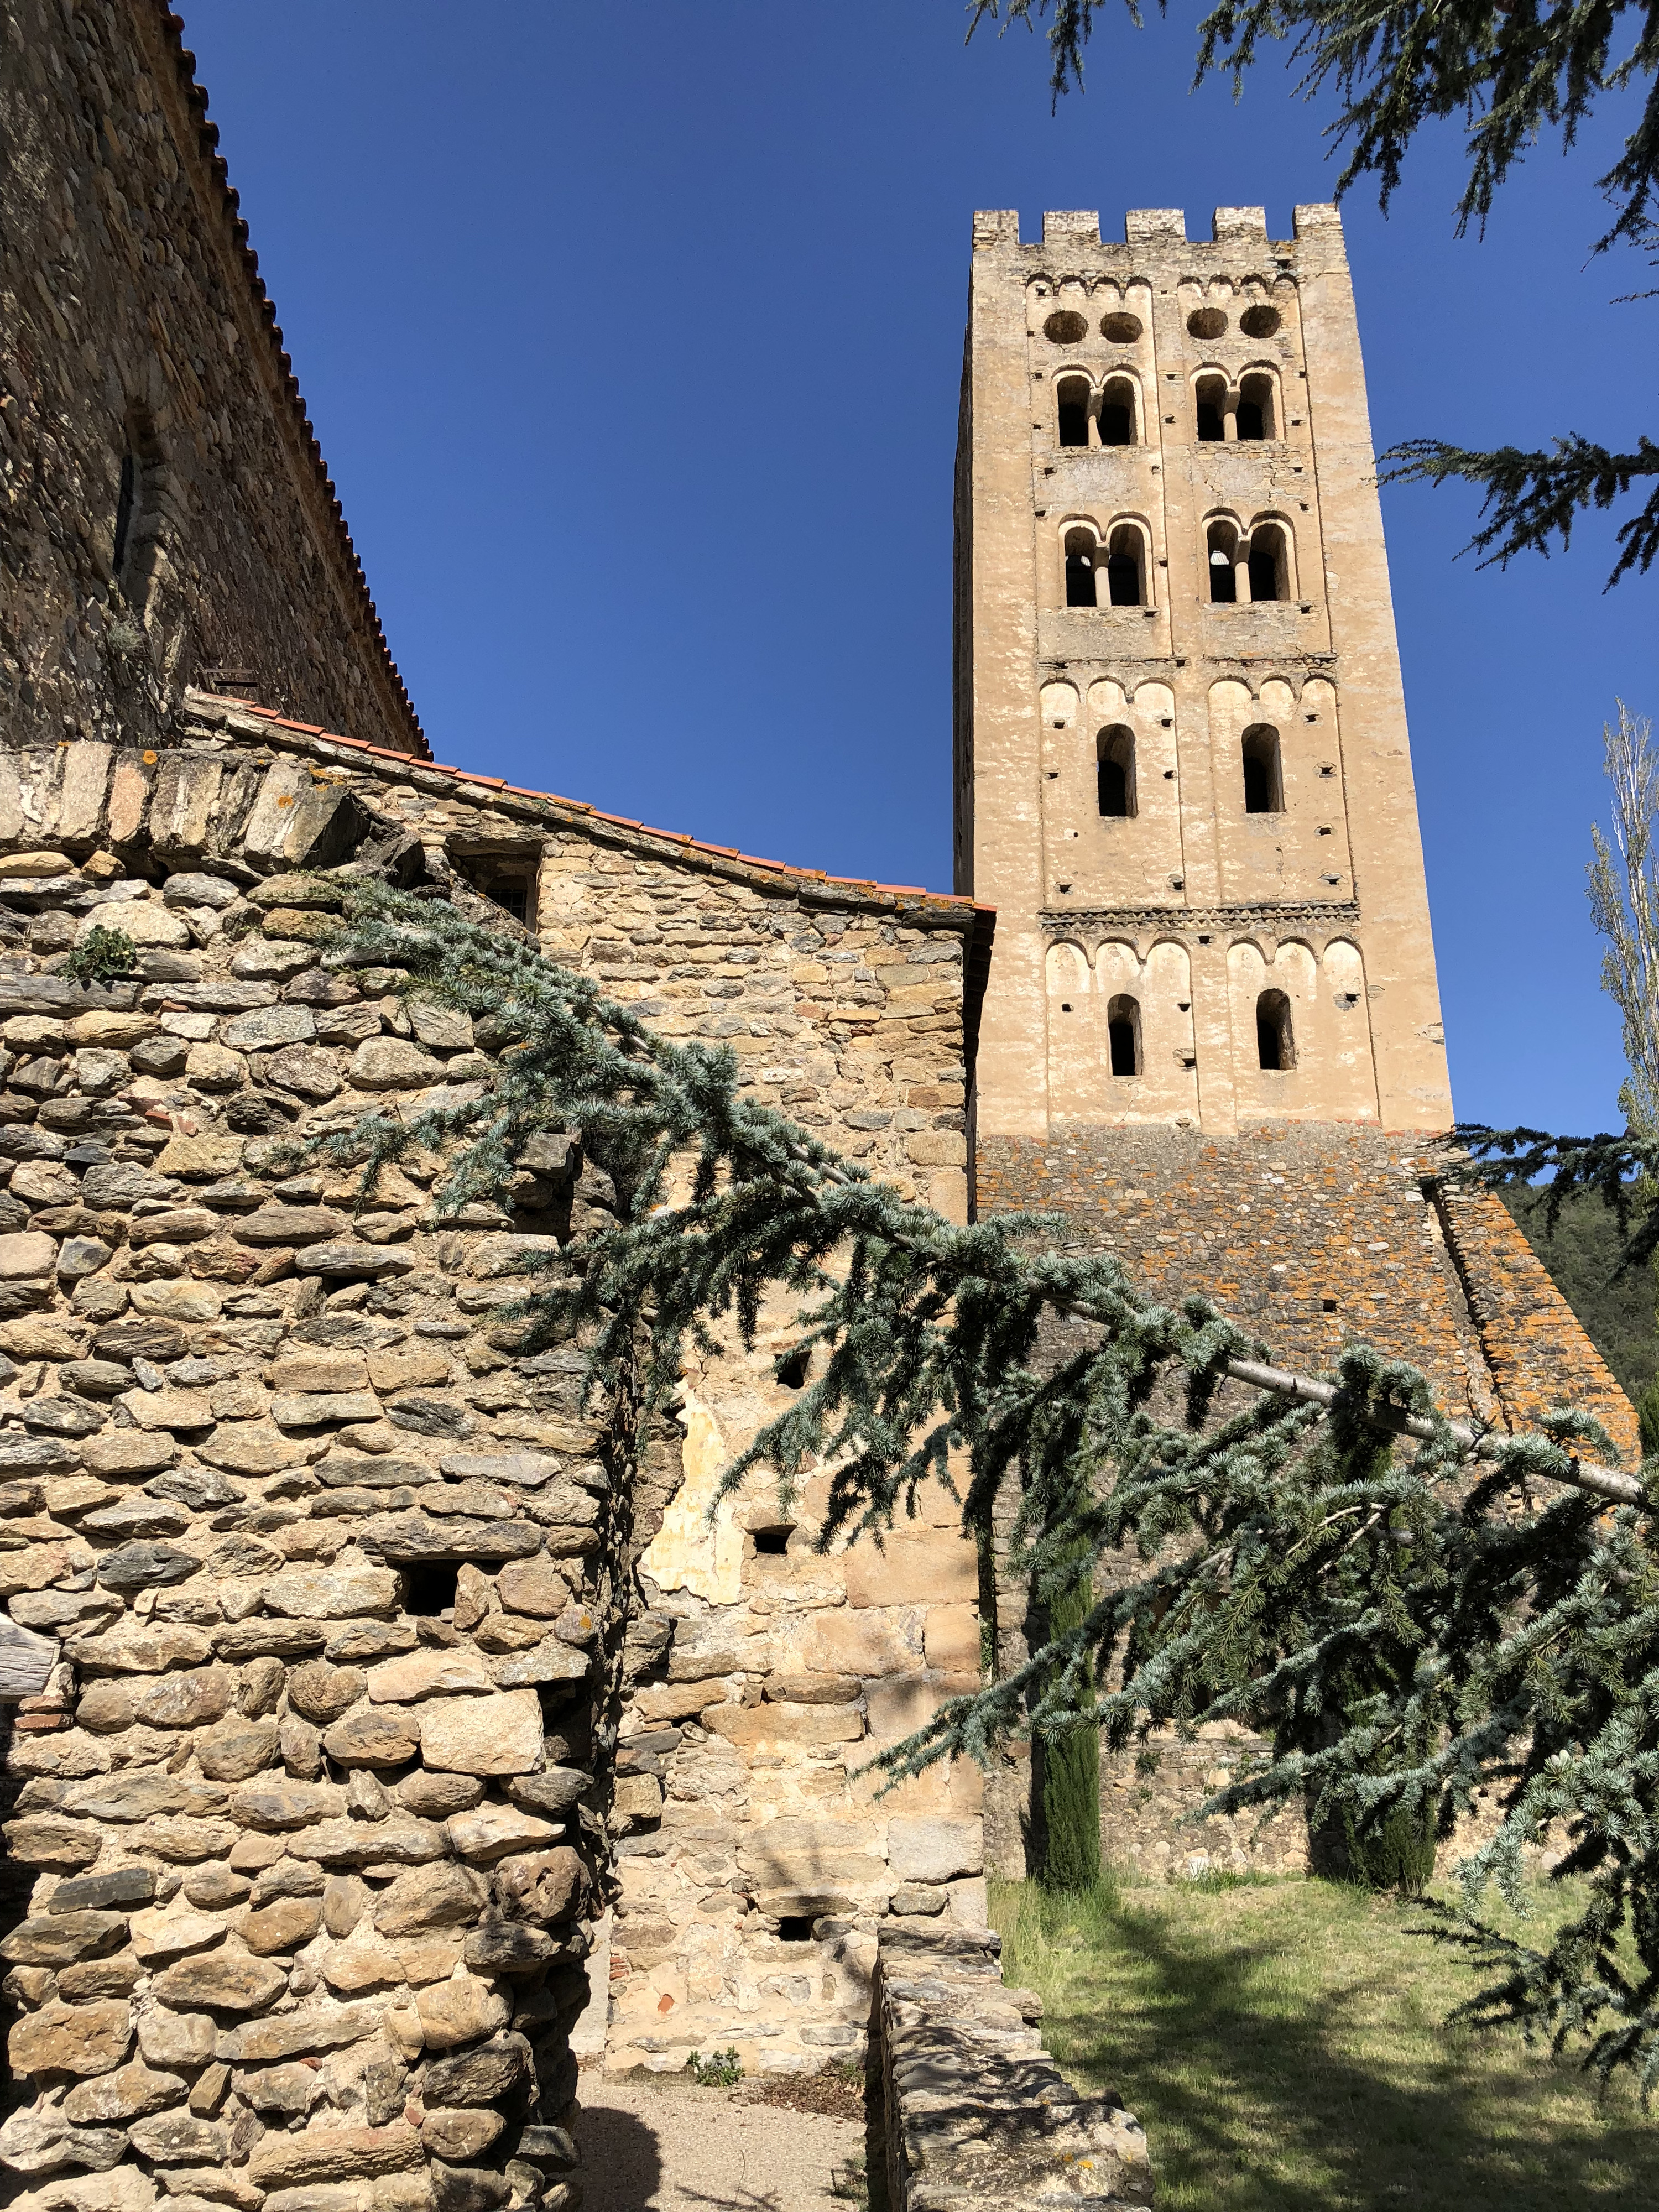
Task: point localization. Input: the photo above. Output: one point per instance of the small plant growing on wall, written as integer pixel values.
(720, 2070)
(103, 956)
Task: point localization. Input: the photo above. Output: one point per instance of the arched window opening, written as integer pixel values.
(1269, 565)
(1275, 1043)
(1255, 407)
(1222, 542)
(1264, 787)
(1211, 394)
(1117, 412)
(1079, 569)
(1123, 1034)
(1073, 405)
(1123, 568)
(1115, 756)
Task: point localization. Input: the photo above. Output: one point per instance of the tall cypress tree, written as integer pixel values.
(1066, 1760)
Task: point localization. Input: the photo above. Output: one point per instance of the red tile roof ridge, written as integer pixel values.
(171, 28)
(428, 768)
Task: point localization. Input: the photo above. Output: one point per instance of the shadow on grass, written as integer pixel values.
(1254, 2098)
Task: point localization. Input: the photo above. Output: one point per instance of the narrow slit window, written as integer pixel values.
(1264, 786)
(1073, 407)
(1123, 1034)
(1275, 1040)
(1114, 772)
(126, 511)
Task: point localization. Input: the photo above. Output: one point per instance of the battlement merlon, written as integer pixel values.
(1317, 226)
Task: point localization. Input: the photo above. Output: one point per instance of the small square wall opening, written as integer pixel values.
(795, 1927)
(507, 880)
(429, 1590)
(772, 1543)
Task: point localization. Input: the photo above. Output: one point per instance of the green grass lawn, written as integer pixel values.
(1285, 2047)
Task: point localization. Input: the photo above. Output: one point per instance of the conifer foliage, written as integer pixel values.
(1403, 1618)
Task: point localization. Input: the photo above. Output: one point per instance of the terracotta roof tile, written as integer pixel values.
(428, 768)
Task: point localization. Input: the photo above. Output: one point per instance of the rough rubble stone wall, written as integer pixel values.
(971, 2114)
(752, 1868)
(309, 1806)
(132, 322)
(1317, 1235)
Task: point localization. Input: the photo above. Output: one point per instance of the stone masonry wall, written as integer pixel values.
(1316, 1236)
(133, 328)
(309, 1805)
(972, 2115)
(751, 1867)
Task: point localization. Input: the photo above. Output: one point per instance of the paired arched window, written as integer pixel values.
(1246, 567)
(1225, 412)
(1085, 418)
(1112, 575)
(1264, 782)
(1123, 1034)
(1114, 771)
(1275, 1040)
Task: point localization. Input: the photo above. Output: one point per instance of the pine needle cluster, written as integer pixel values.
(1403, 1622)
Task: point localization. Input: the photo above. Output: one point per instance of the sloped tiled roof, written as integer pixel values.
(265, 310)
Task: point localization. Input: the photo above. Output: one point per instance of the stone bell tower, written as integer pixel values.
(1183, 775)
(1210, 1040)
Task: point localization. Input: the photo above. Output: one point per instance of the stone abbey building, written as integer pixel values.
(400, 1730)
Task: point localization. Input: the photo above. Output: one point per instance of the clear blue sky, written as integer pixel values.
(632, 338)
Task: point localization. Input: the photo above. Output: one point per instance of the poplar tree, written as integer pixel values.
(1406, 1609)
(1512, 71)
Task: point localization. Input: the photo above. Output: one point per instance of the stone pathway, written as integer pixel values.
(648, 2147)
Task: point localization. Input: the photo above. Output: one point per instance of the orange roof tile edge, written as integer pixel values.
(581, 806)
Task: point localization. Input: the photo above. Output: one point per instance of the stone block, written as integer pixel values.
(932, 1566)
(749, 1725)
(420, 1675)
(78, 2040)
(416, 1902)
(497, 1734)
(221, 1980)
(333, 2154)
(332, 1593)
(461, 2011)
(934, 1849)
(492, 1831)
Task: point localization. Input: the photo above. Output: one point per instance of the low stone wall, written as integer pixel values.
(968, 2109)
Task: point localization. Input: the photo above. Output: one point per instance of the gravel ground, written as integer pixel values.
(651, 2147)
